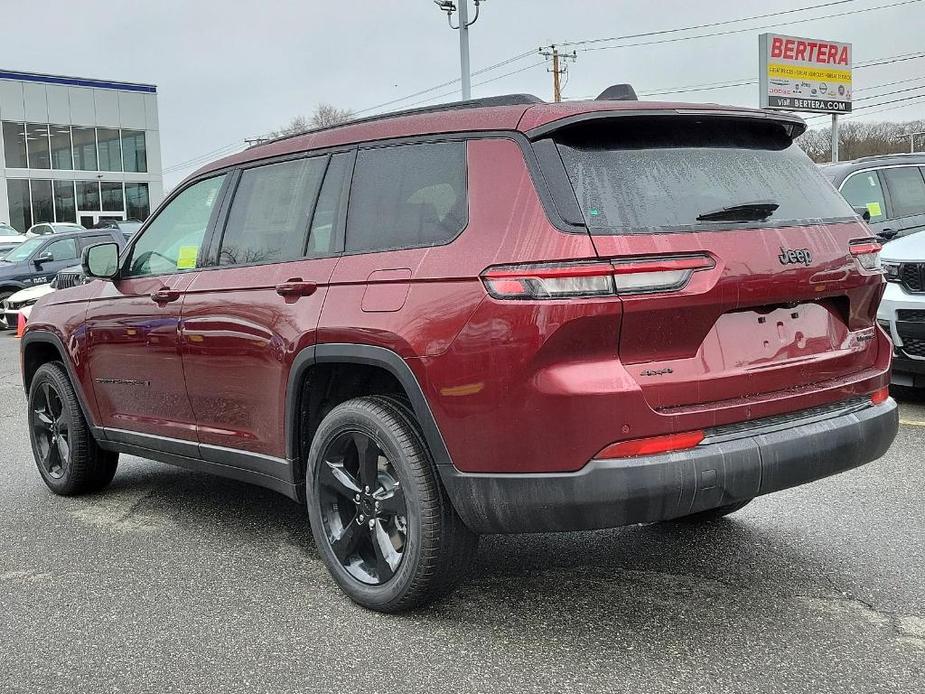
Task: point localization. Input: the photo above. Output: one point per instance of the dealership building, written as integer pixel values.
(77, 150)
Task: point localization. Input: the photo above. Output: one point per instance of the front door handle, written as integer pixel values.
(296, 287)
(165, 295)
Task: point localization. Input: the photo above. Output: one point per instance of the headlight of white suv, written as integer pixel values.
(890, 270)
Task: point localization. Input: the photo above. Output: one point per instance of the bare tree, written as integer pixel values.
(861, 139)
(324, 116)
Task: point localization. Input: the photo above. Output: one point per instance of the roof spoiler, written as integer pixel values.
(618, 92)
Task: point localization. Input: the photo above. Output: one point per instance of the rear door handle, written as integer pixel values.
(165, 295)
(296, 287)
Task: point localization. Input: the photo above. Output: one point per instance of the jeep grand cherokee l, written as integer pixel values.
(492, 317)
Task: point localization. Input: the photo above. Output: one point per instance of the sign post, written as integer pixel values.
(800, 74)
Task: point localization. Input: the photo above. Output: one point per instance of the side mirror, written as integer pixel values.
(101, 260)
(887, 234)
(863, 212)
(45, 257)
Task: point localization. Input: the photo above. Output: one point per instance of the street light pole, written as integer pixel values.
(464, 48)
(450, 7)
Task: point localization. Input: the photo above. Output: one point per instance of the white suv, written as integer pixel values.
(902, 310)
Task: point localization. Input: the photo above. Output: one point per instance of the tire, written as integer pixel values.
(418, 548)
(66, 454)
(711, 514)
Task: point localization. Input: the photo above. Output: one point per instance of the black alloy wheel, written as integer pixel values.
(67, 456)
(381, 519)
(362, 507)
(51, 430)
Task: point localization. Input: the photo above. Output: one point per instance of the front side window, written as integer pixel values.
(172, 241)
(268, 220)
(24, 250)
(65, 249)
(907, 190)
(407, 196)
(679, 174)
(14, 145)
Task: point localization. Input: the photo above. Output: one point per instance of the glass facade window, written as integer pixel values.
(14, 145)
(137, 201)
(43, 206)
(88, 195)
(60, 136)
(65, 204)
(20, 207)
(110, 148)
(84, 149)
(37, 146)
(134, 151)
(111, 197)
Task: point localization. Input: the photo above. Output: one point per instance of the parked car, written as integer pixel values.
(17, 303)
(38, 259)
(47, 228)
(902, 310)
(890, 187)
(9, 238)
(127, 227)
(491, 317)
(22, 301)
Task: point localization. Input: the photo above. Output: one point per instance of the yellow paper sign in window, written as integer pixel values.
(186, 260)
(874, 209)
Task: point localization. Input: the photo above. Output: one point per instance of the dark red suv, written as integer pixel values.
(491, 317)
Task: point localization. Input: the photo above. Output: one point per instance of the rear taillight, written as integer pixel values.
(867, 252)
(639, 275)
(652, 445)
(880, 396)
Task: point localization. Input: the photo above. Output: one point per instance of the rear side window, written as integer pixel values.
(269, 218)
(907, 190)
(406, 196)
(642, 174)
(65, 249)
(864, 190)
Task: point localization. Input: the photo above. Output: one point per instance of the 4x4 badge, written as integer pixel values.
(801, 255)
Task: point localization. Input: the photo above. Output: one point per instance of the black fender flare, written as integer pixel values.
(371, 356)
(50, 338)
(17, 285)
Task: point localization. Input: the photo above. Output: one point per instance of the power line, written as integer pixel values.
(915, 98)
(759, 28)
(708, 25)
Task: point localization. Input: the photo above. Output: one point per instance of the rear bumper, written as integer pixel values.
(732, 464)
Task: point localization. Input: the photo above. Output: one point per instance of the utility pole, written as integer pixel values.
(912, 140)
(559, 68)
(449, 7)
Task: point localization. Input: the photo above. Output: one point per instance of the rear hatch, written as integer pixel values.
(786, 298)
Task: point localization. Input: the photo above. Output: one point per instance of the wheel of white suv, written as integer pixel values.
(65, 451)
(380, 517)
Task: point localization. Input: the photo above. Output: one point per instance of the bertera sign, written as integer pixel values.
(805, 74)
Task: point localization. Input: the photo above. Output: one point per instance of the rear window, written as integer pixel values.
(636, 175)
(407, 196)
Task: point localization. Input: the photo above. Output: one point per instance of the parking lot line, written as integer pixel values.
(912, 422)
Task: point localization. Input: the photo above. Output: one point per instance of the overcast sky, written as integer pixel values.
(229, 69)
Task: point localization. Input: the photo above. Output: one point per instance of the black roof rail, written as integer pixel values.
(502, 100)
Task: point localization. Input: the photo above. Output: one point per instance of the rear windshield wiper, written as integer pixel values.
(746, 212)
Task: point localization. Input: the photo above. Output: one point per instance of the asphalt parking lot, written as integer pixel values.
(178, 582)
